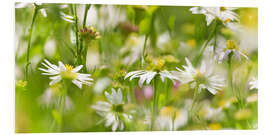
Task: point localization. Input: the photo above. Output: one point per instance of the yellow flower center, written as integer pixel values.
(68, 67)
(68, 74)
(231, 44)
(199, 77)
(227, 20)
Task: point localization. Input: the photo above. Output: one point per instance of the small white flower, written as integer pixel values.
(147, 76)
(62, 71)
(112, 110)
(171, 118)
(225, 14)
(253, 83)
(202, 77)
(231, 47)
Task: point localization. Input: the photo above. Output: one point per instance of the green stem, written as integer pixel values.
(155, 103)
(144, 46)
(230, 80)
(87, 7)
(83, 44)
(30, 30)
(62, 104)
(74, 11)
(194, 100)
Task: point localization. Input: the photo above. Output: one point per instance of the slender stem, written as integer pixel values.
(230, 80)
(74, 11)
(155, 104)
(194, 100)
(83, 44)
(144, 45)
(30, 30)
(62, 103)
(87, 7)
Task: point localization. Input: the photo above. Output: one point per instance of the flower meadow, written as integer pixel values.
(107, 68)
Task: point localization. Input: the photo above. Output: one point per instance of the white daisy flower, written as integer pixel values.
(112, 111)
(202, 77)
(62, 71)
(171, 118)
(225, 14)
(147, 76)
(253, 83)
(231, 47)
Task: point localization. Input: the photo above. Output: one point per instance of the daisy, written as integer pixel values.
(60, 72)
(231, 47)
(148, 75)
(201, 77)
(171, 118)
(112, 111)
(253, 83)
(225, 14)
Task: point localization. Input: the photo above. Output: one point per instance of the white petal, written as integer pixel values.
(77, 68)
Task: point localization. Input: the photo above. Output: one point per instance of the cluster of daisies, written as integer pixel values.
(200, 78)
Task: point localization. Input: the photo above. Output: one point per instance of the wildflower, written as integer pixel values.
(253, 83)
(89, 33)
(231, 47)
(112, 111)
(225, 14)
(202, 77)
(62, 71)
(172, 118)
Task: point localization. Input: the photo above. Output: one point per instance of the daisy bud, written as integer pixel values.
(89, 33)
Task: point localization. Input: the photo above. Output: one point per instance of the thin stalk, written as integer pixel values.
(194, 100)
(30, 30)
(74, 11)
(230, 80)
(87, 7)
(144, 46)
(155, 103)
(62, 104)
(83, 44)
